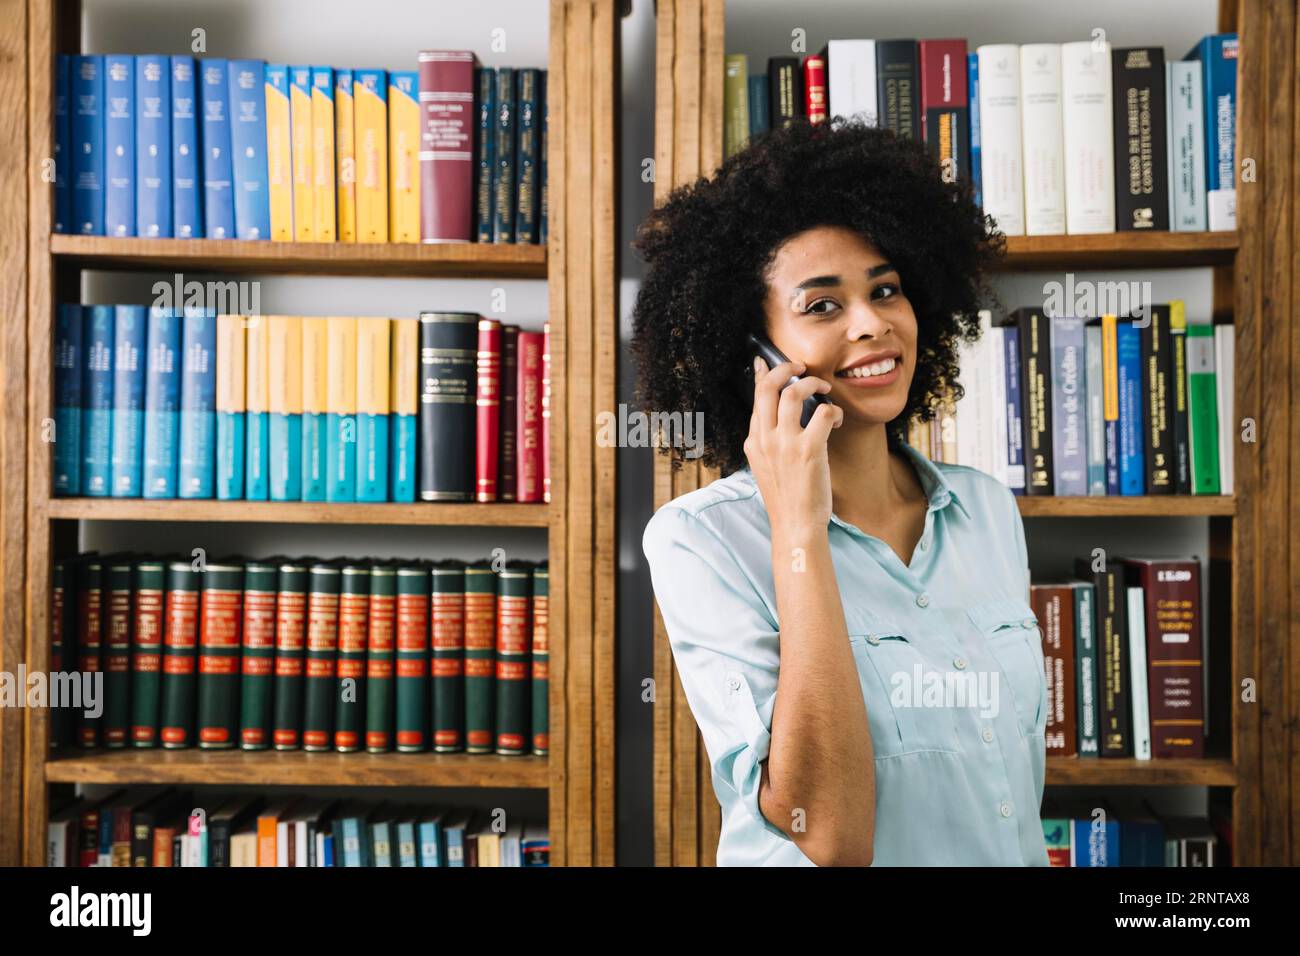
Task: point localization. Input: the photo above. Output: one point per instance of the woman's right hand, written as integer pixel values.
(790, 463)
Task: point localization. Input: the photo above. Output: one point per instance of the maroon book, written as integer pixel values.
(1053, 605)
(508, 446)
(945, 112)
(1172, 589)
(446, 145)
(814, 88)
(488, 410)
(528, 486)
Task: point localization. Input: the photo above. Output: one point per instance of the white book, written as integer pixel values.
(1088, 137)
(1221, 209)
(1186, 125)
(966, 412)
(851, 79)
(1224, 350)
(300, 845)
(996, 360)
(320, 849)
(57, 854)
(282, 842)
(1040, 111)
(1137, 669)
(1001, 173)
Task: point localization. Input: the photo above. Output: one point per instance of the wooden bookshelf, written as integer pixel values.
(1253, 616)
(40, 270)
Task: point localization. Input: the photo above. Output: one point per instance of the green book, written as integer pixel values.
(411, 684)
(480, 654)
(1085, 667)
(257, 664)
(180, 644)
(147, 650)
(322, 657)
(1202, 409)
(220, 628)
(541, 724)
(354, 625)
(448, 653)
(735, 104)
(381, 651)
(90, 637)
(513, 655)
(119, 574)
(290, 654)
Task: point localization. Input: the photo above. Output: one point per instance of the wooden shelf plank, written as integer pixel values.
(1121, 250)
(1208, 772)
(432, 513)
(1119, 506)
(433, 260)
(298, 768)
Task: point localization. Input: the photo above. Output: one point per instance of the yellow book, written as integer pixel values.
(404, 157)
(1109, 368)
(370, 91)
(341, 403)
(304, 219)
(284, 365)
(345, 157)
(372, 366)
(279, 158)
(322, 153)
(230, 407)
(403, 403)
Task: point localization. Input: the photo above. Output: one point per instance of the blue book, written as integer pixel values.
(503, 130)
(1217, 54)
(328, 853)
(527, 142)
(218, 196)
(1132, 461)
(430, 833)
(97, 401)
(758, 104)
(973, 92)
(453, 832)
(153, 147)
(119, 146)
(406, 847)
(485, 143)
(130, 331)
(381, 843)
(1069, 408)
(403, 444)
(1094, 843)
(88, 145)
(198, 437)
(247, 89)
(62, 143)
(1015, 423)
(187, 218)
(542, 200)
(67, 400)
(162, 403)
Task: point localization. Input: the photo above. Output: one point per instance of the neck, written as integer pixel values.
(867, 482)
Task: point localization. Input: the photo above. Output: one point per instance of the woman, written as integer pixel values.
(850, 620)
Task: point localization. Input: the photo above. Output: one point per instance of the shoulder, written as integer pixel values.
(980, 492)
(705, 514)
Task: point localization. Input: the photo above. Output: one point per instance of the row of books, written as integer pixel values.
(297, 653)
(166, 403)
(1123, 651)
(1128, 832)
(1054, 138)
(1059, 405)
(167, 146)
(154, 826)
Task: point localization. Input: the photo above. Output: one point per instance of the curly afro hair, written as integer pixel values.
(709, 246)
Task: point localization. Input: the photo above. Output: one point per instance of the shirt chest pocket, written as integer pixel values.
(1011, 634)
(893, 674)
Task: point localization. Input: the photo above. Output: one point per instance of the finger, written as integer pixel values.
(825, 418)
(767, 390)
(790, 407)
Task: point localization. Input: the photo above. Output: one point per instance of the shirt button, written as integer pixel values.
(959, 663)
(873, 640)
(987, 735)
(1029, 622)
(1004, 808)
(923, 600)
(925, 543)
(733, 684)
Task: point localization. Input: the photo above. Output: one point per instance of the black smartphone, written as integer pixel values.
(773, 357)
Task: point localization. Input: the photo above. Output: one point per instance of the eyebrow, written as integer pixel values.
(821, 282)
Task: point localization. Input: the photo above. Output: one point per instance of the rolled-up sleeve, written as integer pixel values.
(725, 645)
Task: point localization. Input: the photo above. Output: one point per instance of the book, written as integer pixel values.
(290, 655)
(814, 89)
(1185, 133)
(1043, 139)
(528, 421)
(257, 654)
(735, 104)
(97, 397)
(485, 84)
(198, 404)
(1036, 386)
(480, 652)
(372, 418)
(1224, 359)
(323, 205)
(1085, 667)
(119, 146)
(370, 116)
(162, 403)
(230, 406)
(68, 359)
(546, 402)
(785, 93)
(341, 419)
(187, 186)
(257, 404)
(1178, 411)
(1141, 167)
(404, 146)
(118, 602)
(354, 627)
(1095, 405)
(1217, 55)
(302, 150)
(898, 87)
(1053, 605)
(179, 655)
(1202, 411)
(1110, 399)
(321, 660)
(315, 406)
(1069, 407)
(447, 656)
(945, 109)
(1001, 172)
(130, 329)
(279, 152)
(284, 407)
(381, 650)
(216, 169)
(221, 619)
(513, 657)
(411, 672)
(541, 656)
(487, 410)
(1157, 401)
(248, 148)
(760, 109)
(62, 110)
(345, 155)
(88, 160)
(403, 379)
(63, 629)
(1137, 673)
(448, 351)
(507, 423)
(503, 131)
(850, 81)
(543, 200)
(976, 153)
(528, 102)
(1130, 383)
(89, 641)
(1114, 714)
(450, 175)
(1087, 129)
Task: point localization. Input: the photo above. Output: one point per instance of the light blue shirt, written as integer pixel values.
(948, 653)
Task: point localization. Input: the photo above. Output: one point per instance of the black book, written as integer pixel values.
(226, 821)
(1141, 146)
(448, 383)
(1157, 370)
(898, 87)
(1178, 397)
(1114, 711)
(785, 82)
(166, 806)
(1036, 397)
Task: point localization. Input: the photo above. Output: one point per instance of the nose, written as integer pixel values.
(864, 322)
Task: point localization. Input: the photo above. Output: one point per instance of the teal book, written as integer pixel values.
(130, 328)
(97, 398)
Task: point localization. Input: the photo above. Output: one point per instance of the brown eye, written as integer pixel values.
(821, 307)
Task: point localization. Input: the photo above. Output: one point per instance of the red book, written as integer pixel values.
(814, 88)
(446, 145)
(488, 410)
(508, 446)
(528, 488)
(1172, 590)
(945, 113)
(1053, 605)
(546, 411)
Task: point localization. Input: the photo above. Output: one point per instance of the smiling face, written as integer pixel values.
(835, 303)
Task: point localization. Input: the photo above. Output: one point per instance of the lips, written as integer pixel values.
(872, 366)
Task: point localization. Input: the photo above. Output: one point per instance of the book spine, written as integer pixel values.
(180, 647)
(279, 152)
(1054, 607)
(198, 404)
(88, 160)
(411, 683)
(1130, 381)
(1041, 132)
(118, 611)
(513, 657)
(1088, 128)
(1069, 407)
(1224, 358)
(448, 352)
(354, 626)
(785, 88)
(1085, 674)
(341, 427)
(373, 408)
(323, 205)
(130, 328)
(759, 108)
(814, 89)
(851, 80)
(257, 400)
(248, 148)
(528, 100)
(480, 651)
(503, 131)
(542, 199)
(90, 639)
(1203, 419)
(1141, 164)
(290, 654)
(217, 168)
(1036, 382)
(1110, 399)
(735, 104)
(546, 412)
(1137, 673)
(1186, 146)
(257, 662)
(488, 410)
(485, 80)
(345, 155)
(447, 657)
(1096, 411)
(1174, 657)
(370, 109)
(448, 178)
(97, 394)
(994, 396)
(162, 403)
(528, 487)
(187, 207)
(62, 143)
(63, 627)
(945, 118)
(1015, 416)
(230, 400)
(302, 150)
(381, 649)
(220, 638)
(321, 658)
(1157, 424)
(976, 152)
(1113, 717)
(508, 446)
(1218, 56)
(315, 405)
(404, 188)
(119, 146)
(1001, 173)
(403, 404)
(541, 669)
(68, 375)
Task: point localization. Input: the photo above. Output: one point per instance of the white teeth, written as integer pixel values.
(875, 368)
